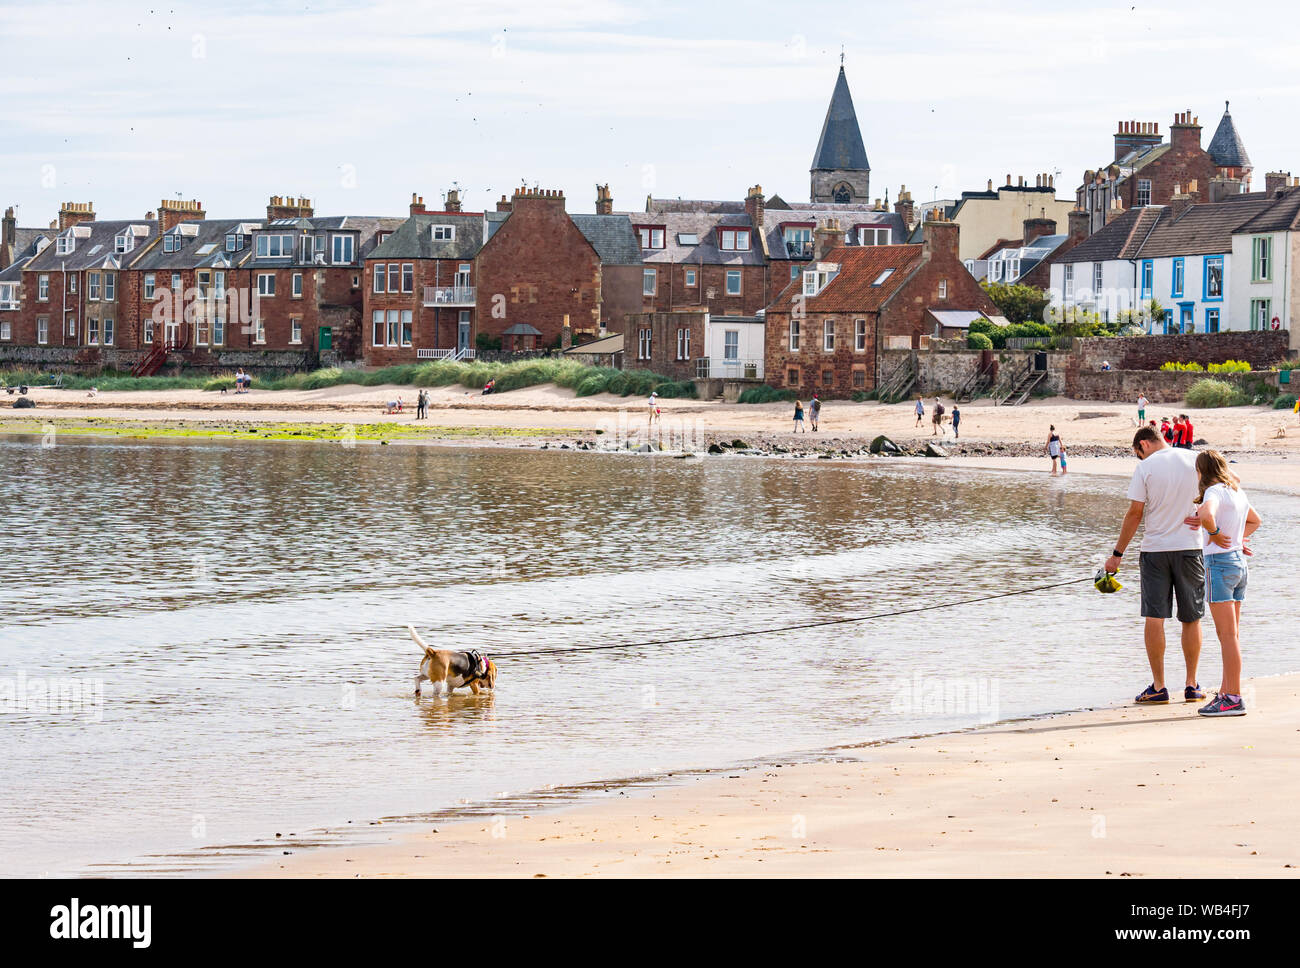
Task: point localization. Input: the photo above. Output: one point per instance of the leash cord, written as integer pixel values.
(789, 628)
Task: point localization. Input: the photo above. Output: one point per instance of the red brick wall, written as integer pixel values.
(24, 330)
(433, 327)
(328, 299)
(1259, 349)
(663, 345)
(672, 292)
(537, 269)
(904, 314)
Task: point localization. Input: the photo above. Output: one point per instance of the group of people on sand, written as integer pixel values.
(939, 418)
(814, 413)
(1197, 524)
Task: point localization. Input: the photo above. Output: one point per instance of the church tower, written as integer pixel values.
(840, 171)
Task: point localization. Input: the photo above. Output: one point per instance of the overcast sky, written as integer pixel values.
(356, 105)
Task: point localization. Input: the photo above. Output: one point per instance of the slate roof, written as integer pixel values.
(24, 250)
(1118, 240)
(1200, 229)
(194, 252)
(702, 225)
(1226, 148)
(658, 206)
(1032, 254)
(366, 227)
(1282, 215)
(849, 217)
(93, 247)
(613, 238)
(840, 146)
(851, 291)
(413, 239)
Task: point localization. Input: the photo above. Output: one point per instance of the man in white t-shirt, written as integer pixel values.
(1163, 492)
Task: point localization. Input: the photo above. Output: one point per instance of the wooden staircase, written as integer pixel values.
(151, 362)
(1016, 390)
(899, 384)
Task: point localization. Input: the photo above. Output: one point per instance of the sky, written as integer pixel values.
(358, 105)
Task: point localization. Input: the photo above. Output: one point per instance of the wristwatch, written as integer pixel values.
(1117, 553)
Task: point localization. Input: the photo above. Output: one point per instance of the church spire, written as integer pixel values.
(840, 170)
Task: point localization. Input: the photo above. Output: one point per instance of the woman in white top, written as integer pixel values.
(1228, 520)
(1053, 446)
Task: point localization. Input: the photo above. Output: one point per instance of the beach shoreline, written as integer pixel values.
(1120, 791)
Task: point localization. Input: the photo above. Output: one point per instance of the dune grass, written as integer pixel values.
(584, 380)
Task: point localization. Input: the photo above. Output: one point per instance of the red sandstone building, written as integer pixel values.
(825, 330)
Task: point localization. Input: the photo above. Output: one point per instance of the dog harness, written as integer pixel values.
(477, 667)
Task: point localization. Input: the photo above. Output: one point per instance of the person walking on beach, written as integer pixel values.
(653, 404)
(937, 419)
(1142, 408)
(956, 422)
(920, 410)
(814, 411)
(1053, 446)
(798, 417)
(422, 405)
(1162, 493)
(1226, 520)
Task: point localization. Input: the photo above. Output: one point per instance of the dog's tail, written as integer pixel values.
(428, 649)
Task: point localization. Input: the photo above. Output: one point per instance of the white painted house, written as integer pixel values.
(1265, 253)
(734, 346)
(1186, 257)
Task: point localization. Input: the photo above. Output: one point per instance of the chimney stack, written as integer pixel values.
(286, 206)
(9, 231)
(503, 205)
(453, 200)
(604, 200)
(417, 204)
(1079, 225)
(1185, 132)
(74, 213)
(940, 239)
(1275, 180)
(171, 212)
(904, 206)
(754, 208)
(1038, 227)
(1135, 135)
(827, 236)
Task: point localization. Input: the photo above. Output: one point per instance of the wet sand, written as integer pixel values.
(1120, 792)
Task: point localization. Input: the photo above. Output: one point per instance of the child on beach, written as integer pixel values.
(798, 416)
(956, 421)
(1053, 446)
(653, 403)
(1228, 520)
(1142, 409)
(1063, 463)
(920, 410)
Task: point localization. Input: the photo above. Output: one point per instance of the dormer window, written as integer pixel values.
(798, 241)
(733, 240)
(124, 242)
(342, 249)
(815, 280)
(234, 242)
(65, 244)
(172, 242)
(872, 235)
(274, 246)
(652, 236)
(444, 233)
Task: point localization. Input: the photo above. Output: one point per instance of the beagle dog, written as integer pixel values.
(449, 670)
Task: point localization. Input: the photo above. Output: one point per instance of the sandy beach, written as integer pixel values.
(1118, 792)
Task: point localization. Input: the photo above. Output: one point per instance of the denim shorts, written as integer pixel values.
(1225, 577)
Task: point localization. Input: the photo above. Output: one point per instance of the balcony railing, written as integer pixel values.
(799, 250)
(449, 295)
(709, 369)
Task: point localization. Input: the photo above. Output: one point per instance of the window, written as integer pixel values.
(828, 378)
(274, 246)
(219, 290)
(92, 286)
(691, 278)
(92, 332)
(792, 376)
(43, 287)
(651, 238)
(394, 279)
(8, 295)
(407, 319)
(688, 238)
(859, 377)
(176, 282)
(733, 282)
(6, 329)
(172, 242)
(297, 285)
(266, 284)
(71, 326)
(108, 332)
(295, 330)
(1069, 281)
(343, 245)
(377, 328)
(110, 286)
(1214, 277)
(798, 242)
(444, 233)
(123, 243)
(394, 330)
(995, 270)
(1144, 192)
(148, 330)
(308, 248)
(379, 277)
(408, 276)
(260, 335)
(42, 329)
(234, 242)
(1169, 321)
(794, 336)
(873, 236)
(860, 335)
(201, 331)
(150, 283)
(1179, 275)
(1261, 260)
(648, 282)
(880, 279)
(794, 272)
(734, 240)
(218, 331)
(1212, 320)
(683, 344)
(731, 345)
(72, 283)
(1148, 274)
(643, 343)
(203, 282)
(1260, 313)
(943, 288)
(828, 336)
(65, 244)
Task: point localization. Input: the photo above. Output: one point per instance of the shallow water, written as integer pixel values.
(243, 607)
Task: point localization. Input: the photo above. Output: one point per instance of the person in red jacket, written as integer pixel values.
(1177, 440)
(1187, 432)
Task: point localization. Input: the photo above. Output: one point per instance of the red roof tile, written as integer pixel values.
(852, 289)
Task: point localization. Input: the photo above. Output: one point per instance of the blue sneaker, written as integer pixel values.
(1151, 696)
(1193, 693)
(1223, 705)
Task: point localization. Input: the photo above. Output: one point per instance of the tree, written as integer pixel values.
(1018, 303)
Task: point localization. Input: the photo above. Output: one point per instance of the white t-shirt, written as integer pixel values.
(1230, 509)
(1142, 403)
(1167, 484)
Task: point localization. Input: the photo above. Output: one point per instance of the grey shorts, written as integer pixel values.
(1173, 575)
